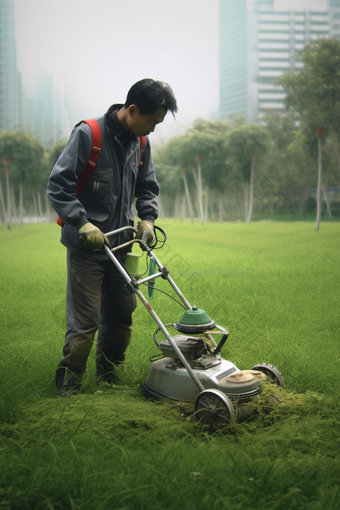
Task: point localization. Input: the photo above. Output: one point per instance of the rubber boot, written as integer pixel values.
(68, 382)
(106, 370)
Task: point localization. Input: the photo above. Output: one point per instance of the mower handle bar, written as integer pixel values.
(164, 273)
(135, 288)
(142, 242)
(121, 229)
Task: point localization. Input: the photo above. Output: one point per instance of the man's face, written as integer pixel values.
(142, 125)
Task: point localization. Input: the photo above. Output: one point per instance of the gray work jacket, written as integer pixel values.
(108, 195)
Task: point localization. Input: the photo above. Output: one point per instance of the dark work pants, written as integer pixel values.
(98, 298)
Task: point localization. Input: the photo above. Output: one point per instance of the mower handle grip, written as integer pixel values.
(144, 244)
(144, 236)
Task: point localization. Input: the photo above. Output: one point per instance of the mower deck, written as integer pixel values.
(167, 378)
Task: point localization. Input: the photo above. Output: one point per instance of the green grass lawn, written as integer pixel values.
(274, 286)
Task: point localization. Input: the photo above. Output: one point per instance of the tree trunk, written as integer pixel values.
(2, 204)
(8, 192)
(14, 211)
(245, 202)
(199, 189)
(251, 193)
(183, 208)
(239, 205)
(220, 209)
(197, 207)
(21, 209)
(39, 206)
(326, 199)
(186, 187)
(160, 208)
(197, 202)
(35, 206)
(206, 204)
(48, 216)
(338, 152)
(318, 193)
(211, 209)
(176, 206)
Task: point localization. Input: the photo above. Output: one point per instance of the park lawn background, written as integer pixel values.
(274, 286)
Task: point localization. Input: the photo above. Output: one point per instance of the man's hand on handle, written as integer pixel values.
(145, 231)
(92, 237)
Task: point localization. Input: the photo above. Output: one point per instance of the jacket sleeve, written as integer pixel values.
(62, 183)
(147, 187)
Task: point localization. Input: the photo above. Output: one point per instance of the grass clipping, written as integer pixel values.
(273, 406)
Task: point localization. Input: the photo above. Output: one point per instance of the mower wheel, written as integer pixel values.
(272, 372)
(213, 407)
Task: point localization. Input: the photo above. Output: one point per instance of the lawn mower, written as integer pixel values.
(191, 368)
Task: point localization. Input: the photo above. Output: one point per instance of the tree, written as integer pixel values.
(208, 142)
(22, 157)
(247, 144)
(288, 167)
(281, 128)
(314, 92)
(167, 160)
(55, 151)
(201, 154)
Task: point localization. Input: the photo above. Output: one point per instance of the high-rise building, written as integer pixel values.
(39, 108)
(40, 112)
(10, 83)
(46, 116)
(259, 39)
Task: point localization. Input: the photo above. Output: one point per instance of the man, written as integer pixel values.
(97, 295)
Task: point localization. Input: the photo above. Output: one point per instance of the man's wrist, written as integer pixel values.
(82, 220)
(151, 220)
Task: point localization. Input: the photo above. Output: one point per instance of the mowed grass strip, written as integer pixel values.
(274, 286)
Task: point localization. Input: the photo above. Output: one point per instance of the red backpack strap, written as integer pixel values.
(96, 148)
(94, 154)
(142, 149)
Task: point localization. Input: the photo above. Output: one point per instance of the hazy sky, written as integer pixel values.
(100, 48)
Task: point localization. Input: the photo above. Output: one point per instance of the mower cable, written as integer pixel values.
(153, 246)
(147, 267)
(159, 290)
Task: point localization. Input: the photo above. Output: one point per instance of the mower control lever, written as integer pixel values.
(221, 343)
(155, 333)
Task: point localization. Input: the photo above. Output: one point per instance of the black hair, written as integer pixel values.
(149, 95)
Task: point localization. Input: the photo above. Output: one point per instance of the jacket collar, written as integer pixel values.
(110, 125)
